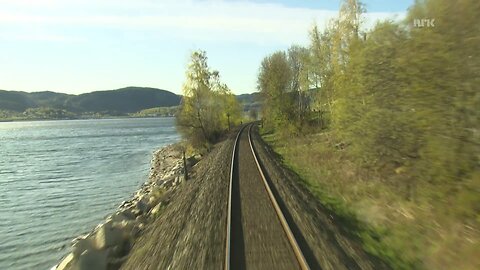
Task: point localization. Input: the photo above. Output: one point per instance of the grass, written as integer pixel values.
(435, 230)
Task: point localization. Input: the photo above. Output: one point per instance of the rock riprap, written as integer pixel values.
(108, 245)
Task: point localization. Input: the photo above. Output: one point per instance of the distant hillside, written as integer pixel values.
(125, 100)
(129, 101)
(15, 101)
(250, 101)
(249, 98)
(120, 101)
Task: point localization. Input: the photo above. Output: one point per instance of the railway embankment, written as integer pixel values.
(191, 232)
(176, 224)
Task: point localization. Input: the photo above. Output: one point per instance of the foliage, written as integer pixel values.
(401, 103)
(157, 112)
(275, 82)
(249, 98)
(253, 114)
(6, 115)
(208, 107)
(48, 113)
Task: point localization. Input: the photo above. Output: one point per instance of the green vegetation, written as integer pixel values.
(48, 113)
(387, 126)
(41, 113)
(157, 112)
(251, 104)
(7, 115)
(208, 108)
(249, 98)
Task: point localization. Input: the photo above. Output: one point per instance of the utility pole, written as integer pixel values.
(228, 118)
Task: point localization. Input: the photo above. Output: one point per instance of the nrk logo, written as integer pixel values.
(421, 23)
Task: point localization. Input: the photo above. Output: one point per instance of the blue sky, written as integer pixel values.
(77, 46)
(372, 5)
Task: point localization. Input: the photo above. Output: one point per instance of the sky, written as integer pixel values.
(79, 46)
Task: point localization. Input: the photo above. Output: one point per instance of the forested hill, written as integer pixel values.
(249, 98)
(120, 101)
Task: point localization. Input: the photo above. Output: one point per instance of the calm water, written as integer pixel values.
(59, 179)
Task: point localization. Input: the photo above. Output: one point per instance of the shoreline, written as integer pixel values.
(79, 119)
(108, 245)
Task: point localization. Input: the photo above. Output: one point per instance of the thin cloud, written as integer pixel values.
(218, 21)
(42, 37)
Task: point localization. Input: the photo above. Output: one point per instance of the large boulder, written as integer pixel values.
(123, 215)
(81, 244)
(120, 251)
(66, 263)
(108, 236)
(92, 260)
(127, 228)
(142, 205)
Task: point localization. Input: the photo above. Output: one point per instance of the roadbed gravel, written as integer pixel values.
(258, 238)
(190, 233)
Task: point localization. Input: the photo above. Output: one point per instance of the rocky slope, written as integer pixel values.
(108, 245)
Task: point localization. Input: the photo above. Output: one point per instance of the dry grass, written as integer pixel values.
(420, 233)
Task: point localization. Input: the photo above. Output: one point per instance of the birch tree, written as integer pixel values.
(208, 107)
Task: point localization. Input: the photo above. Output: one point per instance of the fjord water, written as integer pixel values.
(59, 179)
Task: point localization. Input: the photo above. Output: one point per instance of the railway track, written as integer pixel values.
(258, 235)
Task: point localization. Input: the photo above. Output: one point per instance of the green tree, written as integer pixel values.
(274, 83)
(345, 42)
(208, 107)
(299, 60)
(229, 110)
(321, 78)
(253, 114)
(443, 77)
(404, 103)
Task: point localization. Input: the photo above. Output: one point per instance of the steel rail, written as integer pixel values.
(286, 228)
(229, 206)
